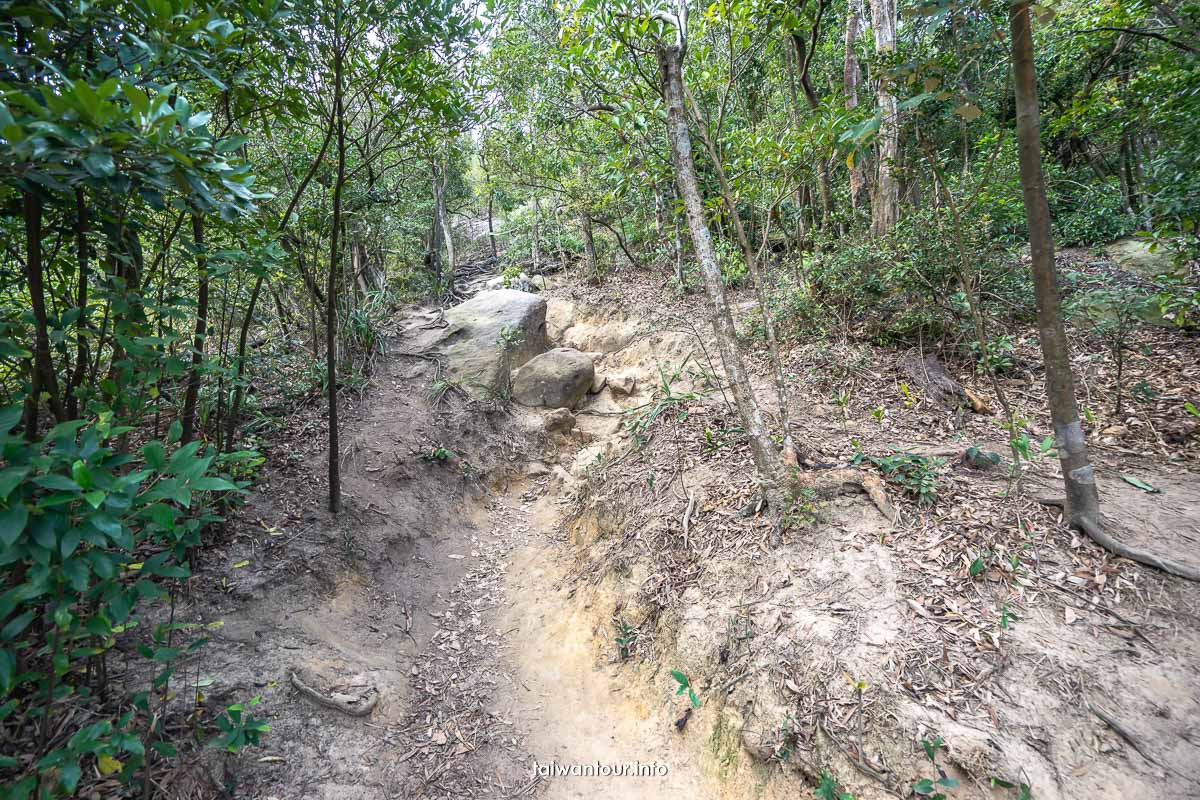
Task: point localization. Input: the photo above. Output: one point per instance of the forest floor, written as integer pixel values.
(525, 599)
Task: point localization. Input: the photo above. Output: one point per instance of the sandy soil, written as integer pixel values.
(480, 600)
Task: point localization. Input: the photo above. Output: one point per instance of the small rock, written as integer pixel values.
(621, 385)
(979, 459)
(537, 470)
(560, 420)
(598, 383)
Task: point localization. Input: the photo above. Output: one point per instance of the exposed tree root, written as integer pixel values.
(825, 484)
(354, 706)
(828, 483)
(1097, 535)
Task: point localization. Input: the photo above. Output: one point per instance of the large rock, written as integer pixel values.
(558, 378)
(490, 335)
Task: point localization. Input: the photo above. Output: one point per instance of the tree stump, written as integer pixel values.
(938, 385)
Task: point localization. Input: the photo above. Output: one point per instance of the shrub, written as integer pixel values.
(1089, 215)
(88, 532)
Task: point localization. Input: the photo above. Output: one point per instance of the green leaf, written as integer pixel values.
(175, 432)
(1139, 483)
(11, 415)
(923, 786)
(8, 348)
(68, 776)
(81, 474)
(155, 455)
(16, 625)
(58, 483)
(12, 523)
(70, 541)
(10, 478)
(77, 572)
(213, 485)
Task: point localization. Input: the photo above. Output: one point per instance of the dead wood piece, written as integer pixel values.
(831, 482)
(687, 518)
(1097, 535)
(354, 706)
(1125, 734)
(938, 385)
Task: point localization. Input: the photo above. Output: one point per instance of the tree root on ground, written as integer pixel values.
(354, 706)
(1097, 535)
(828, 483)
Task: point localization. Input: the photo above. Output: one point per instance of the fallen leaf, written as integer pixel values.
(1139, 483)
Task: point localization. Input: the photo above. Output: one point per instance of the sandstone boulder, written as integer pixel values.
(558, 378)
(490, 335)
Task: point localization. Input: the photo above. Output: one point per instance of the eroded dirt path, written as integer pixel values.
(440, 594)
(478, 594)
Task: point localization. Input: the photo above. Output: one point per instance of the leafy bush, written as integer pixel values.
(905, 288)
(1111, 315)
(1089, 215)
(916, 474)
(732, 264)
(88, 532)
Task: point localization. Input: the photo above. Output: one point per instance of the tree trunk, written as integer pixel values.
(658, 211)
(491, 229)
(589, 246)
(851, 78)
(44, 381)
(444, 221)
(331, 291)
(766, 457)
(885, 204)
(760, 289)
(193, 383)
(824, 189)
(677, 243)
(81, 301)
(534, 242)
(435, 231)
(1082, 502)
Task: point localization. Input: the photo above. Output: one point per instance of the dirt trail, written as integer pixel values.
(573, 712)
(477, 594)
(441, 588)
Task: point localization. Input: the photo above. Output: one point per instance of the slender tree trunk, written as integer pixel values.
(803, 57)
(766, 456)
(331, 291)
(491, 228)
(44, 380)
(81, 301)
(851, 78)
(444, 220)
(752, 266)
(659, 224)
(435, 229)
(589, 246)
(193, 382)
(534, 240)
(677, 243)
(885, 204)
(1082, 504)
